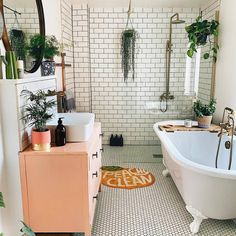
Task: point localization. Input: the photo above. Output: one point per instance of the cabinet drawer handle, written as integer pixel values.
(95, 174)
(101, 135)
(101, 149)
(95, 197)
(95, 155)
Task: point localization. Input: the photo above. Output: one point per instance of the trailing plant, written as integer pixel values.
(128, 51)
(201, 109)
(51, 48)
(18, 43)
(26, 230)
(35, 46)
(39, 110)
(199, 34)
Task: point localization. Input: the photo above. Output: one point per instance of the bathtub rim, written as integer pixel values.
(182, 160)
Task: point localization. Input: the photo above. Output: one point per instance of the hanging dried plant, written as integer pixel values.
(128, 51)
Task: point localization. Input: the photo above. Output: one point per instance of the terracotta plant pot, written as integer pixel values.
(41, 141)
(204, 122)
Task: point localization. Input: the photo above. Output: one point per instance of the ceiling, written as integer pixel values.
(143, 3)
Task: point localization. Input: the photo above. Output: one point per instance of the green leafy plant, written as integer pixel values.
(18, 43)
(128, 51)
(35, 46)
(199, 34)
(201, 109)
(51, 48)
(2, 204)
(26, 230)
(39, 110)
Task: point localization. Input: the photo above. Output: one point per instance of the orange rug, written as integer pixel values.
(127, 178)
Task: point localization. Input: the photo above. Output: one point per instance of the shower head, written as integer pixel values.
(177, 21)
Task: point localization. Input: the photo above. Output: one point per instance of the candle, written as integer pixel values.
(20, 64)
(20, 68)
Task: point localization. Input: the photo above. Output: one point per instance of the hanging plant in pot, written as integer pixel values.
(51, 49)
(37, 113)
(204, 112)
(128, 52)
(201, 33)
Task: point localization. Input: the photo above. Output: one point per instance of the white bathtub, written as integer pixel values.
(189, 157)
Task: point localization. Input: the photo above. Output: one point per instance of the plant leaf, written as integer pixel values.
(190, 53)
(27, 230)
(206, 55)
(2, 204)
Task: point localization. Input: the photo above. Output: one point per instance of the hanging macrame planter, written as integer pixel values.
(129, 38)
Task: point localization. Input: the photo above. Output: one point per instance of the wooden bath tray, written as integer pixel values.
(172, 128)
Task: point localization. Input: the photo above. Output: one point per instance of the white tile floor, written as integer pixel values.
(157, 210)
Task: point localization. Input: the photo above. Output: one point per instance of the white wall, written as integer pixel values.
(226, 63)
(122, 107)
(1, 158)
(141, 3)
(52, 15)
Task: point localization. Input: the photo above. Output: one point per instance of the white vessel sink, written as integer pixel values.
(79, 126)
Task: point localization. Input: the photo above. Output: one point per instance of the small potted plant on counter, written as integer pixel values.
(37, 113)
(204, 112)
(51, 49)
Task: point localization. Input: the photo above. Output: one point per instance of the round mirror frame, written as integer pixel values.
(5, 37)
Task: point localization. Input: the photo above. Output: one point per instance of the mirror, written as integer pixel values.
(1, 25)
(23, 20)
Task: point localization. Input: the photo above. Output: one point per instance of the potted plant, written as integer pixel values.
(35, 45)
(26, 230)
(51, 49)
(204, 112)
(199, 34)
(128, 51)
(37, 113)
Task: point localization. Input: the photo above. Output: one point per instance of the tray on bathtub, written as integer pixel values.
(172, 128)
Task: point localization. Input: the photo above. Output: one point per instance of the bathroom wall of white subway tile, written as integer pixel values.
(205, 77)
(67, 42)
(28, 20)
(121, 107)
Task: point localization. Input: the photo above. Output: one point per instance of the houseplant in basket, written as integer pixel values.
(37, 113)
(51, 49)
(204, 112)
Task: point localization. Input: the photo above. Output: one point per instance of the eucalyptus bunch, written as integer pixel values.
(201, 109)
(128, 51)
(200, 33)
(39, 109)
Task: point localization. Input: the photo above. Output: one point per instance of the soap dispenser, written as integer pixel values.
(60, 133)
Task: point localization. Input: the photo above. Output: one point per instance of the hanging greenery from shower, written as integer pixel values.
(200, 33)
(128, 51)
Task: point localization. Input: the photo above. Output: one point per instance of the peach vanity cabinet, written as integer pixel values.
(60, 187)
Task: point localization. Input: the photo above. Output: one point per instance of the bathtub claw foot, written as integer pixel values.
(198, 218)
(165, 172)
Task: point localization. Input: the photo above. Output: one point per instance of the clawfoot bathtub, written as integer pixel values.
(189, 157)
